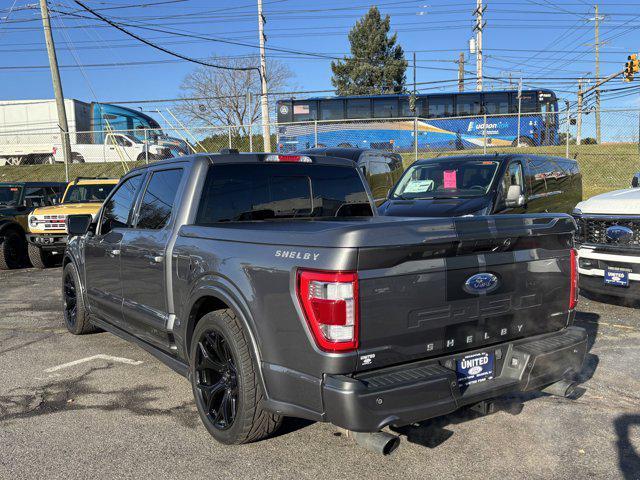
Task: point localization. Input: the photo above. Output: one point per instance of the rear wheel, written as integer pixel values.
(38, 257)
(76, 318)
(12, 250)
(76, 158)
(225, 383)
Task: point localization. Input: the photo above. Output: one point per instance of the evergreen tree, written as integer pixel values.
(376, 65)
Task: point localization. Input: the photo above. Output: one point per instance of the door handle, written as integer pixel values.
(114, 253)
(154, 258)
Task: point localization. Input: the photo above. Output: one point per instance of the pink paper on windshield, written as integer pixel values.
(450, 179)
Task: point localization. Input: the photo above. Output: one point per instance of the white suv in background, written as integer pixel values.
(609, 243)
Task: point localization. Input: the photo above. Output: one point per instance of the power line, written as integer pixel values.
(158, 47)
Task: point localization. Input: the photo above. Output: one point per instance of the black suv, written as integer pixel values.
(382, 169)
(17, 200)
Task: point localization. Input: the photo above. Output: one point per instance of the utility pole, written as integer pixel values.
(264, 101)
(414, 77)
(582, 93)
(478, 28)
(460, 63)
(596, 45)
(579, 116)
(57, 85)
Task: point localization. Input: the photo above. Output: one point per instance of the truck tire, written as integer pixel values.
(12, 249)
(38, 257)
(225, 382)
(76, 158)
(76, 318)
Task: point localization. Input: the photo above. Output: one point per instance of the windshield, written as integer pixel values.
(87, 193)
(9, 195)
(446, 179)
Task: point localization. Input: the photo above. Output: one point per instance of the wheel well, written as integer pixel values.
(9, 226)
(199, 309)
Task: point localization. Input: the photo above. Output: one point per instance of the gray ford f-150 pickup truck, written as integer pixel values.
(270, 282)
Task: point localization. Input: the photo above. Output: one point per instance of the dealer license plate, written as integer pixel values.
(474, 368)
(617, 277)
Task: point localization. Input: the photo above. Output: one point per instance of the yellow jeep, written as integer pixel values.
(47, 235)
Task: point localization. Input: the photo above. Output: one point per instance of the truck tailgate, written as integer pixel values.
(491, 281)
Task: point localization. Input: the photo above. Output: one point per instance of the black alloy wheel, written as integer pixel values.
(70, 300)
(216, 379)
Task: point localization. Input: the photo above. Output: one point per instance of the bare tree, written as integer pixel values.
(229, 97)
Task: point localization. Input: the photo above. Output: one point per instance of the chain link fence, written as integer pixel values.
(606, 164)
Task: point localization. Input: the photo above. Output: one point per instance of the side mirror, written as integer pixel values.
(635, 181)
(78, 225)
(515, 198)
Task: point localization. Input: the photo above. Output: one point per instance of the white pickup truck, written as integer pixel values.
(609, 243)
(116, 147)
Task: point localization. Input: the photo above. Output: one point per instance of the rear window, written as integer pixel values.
(246, 192)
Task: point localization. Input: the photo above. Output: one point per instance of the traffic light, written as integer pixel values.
(631, 67)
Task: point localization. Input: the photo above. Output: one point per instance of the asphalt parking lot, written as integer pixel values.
(96, 406)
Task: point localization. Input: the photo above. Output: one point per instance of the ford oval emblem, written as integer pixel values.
(619, 234)
(481, 283)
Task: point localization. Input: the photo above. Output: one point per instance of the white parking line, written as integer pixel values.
(95, 357)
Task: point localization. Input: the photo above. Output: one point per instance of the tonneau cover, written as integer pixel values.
(382, 231)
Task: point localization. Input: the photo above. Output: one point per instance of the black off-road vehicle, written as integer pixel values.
(17, 200)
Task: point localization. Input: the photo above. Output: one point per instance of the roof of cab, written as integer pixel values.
(499, 157)
(34, 184)
(237, 157)
(94, 181)
(352, 153)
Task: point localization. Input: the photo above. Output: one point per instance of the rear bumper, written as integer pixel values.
(48, 241)
(421, 390)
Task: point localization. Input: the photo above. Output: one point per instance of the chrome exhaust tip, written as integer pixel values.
(378, 442)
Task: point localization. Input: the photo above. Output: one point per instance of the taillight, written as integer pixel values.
(330, 304)
(287, 158)
(573, 289)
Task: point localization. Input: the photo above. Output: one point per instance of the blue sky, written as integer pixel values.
(547, 42)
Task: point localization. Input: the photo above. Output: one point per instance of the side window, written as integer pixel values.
(529, 102)
(496, 103)
(118, 207)
(35, 197)
(513, 176)
(440, 106)
(468, 105)
(331, 109)
(358, 108)
(158, 200)
(538, 174)
(405, 110)
(385, 107)
(379, 177)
